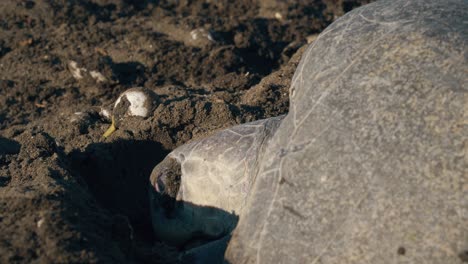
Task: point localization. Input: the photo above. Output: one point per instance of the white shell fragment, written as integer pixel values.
(75, 70)
(105, 113)
(40, 222)
(80, 72)
(76, 117)
(98, 76)
(201, 33)
(278, 16)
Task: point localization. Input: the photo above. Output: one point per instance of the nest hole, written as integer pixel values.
(118, 176)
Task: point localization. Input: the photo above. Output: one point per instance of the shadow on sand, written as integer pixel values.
(117, 175)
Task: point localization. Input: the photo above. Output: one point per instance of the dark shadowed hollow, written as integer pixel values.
(117, 174)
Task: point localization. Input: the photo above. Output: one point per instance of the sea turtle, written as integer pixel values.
(368, 166)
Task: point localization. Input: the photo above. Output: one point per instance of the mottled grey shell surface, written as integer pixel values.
(370, 164)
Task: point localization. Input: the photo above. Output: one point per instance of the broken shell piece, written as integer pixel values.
(81, 72)
(76, 71)
(98, 76)
(76, 117)
(278, 16)
(200, 34)
(40, 222)
(105, 113)
(137, 101)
